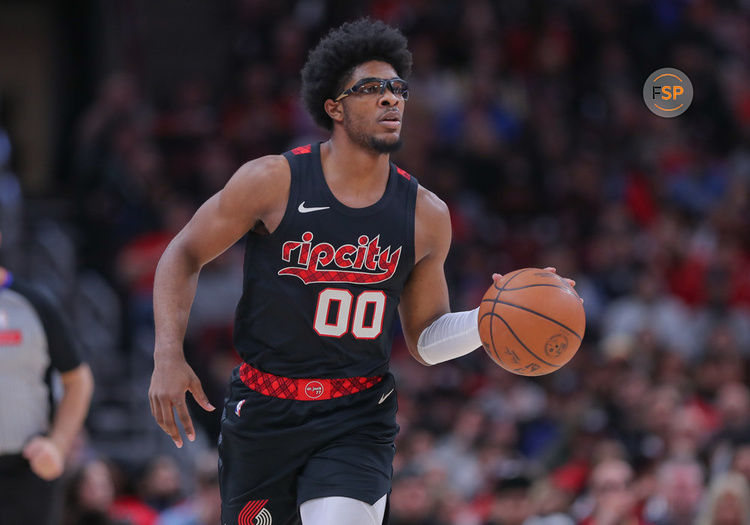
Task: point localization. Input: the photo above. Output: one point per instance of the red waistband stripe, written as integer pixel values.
(303, 389)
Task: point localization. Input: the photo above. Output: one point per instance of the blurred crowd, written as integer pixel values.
(527, 118)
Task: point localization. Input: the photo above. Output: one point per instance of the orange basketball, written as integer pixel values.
(531, 322)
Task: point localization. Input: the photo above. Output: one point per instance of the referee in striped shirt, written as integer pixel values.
(33, 341)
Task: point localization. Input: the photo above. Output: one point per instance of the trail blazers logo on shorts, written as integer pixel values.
(365, 263)
(255, 513)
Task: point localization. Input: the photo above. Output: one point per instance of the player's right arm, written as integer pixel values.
(257, 192)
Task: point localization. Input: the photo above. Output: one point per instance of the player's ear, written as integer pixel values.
(335, 110)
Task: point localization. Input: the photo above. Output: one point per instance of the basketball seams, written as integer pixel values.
(492, 337)
(505, 285)
(506, 303)
(561, 287)
(517, 338)
(492, 312)
(492, 345)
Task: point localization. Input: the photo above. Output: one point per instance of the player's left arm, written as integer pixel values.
(432, 333)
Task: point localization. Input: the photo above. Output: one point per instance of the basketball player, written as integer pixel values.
(338, 238)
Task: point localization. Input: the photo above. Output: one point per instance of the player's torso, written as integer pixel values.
(320, 293)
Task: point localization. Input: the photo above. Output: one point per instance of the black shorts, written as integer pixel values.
(278, 453)
(25, 498)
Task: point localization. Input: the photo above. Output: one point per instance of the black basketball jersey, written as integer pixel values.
(320, 292)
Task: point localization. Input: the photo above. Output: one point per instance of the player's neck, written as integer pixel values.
(359, 161)
(347, 166)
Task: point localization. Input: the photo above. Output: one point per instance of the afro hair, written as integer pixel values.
(343, 49)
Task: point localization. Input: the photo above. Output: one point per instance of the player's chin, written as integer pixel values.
(386, 142)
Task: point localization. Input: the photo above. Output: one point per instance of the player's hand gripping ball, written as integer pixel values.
(531, 322)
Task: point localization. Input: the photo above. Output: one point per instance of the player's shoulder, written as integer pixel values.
(267, 168)
(430, 207)
(267, 174)
(265, 180)
(432, 224)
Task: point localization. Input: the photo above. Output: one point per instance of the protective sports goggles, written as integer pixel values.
(372, 86)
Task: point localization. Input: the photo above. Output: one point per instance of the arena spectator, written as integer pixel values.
(204, 506)
(613, 497)
(727, 502)
(90, 496)
(680, 487)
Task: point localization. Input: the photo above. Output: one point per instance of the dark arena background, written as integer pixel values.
(119, 117)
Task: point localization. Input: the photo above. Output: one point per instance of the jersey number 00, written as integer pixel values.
(344, 299)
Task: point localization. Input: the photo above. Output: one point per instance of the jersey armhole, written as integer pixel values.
(412, 219)
(288, 211)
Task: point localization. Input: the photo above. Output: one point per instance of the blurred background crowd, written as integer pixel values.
(527, 118)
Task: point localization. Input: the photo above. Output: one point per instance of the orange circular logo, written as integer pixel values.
(668, 92)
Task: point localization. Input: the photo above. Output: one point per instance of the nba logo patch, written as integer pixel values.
(10, 337)
(239, 407)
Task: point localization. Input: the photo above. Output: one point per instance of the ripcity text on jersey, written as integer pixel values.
(320, 292)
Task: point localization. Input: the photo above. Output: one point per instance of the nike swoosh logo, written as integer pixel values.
(385, 396)
(302, 208)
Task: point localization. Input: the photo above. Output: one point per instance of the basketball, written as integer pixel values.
(531, 322)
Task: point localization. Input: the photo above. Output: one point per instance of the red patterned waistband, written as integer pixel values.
(303, 389)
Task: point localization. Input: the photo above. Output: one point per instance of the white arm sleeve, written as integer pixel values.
(451, 335)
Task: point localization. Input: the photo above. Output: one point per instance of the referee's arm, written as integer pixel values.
(78, 385)
(46, 454)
